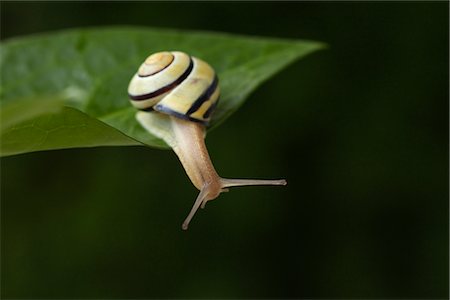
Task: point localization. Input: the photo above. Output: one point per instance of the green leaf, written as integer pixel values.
(21, 110)
(89, 69)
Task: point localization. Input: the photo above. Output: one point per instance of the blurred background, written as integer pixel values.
(359, 130)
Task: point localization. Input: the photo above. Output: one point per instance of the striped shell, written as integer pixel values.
(177, 84)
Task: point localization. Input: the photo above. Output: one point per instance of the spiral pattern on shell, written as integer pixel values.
(177, 84)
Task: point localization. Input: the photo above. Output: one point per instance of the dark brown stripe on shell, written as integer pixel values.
(167, 87)
(171, 112)
(204, 97)
(210, 110)
(156, 72)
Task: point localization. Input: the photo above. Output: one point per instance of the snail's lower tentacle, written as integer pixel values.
(201, 198)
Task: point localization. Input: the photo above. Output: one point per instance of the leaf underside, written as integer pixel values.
(70, 87)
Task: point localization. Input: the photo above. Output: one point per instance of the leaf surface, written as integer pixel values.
(89, 69)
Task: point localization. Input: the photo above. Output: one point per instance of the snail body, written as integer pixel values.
(176, 95)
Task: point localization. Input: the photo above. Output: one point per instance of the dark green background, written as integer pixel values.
(360, 131)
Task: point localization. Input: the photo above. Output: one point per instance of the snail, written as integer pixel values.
(176, 95)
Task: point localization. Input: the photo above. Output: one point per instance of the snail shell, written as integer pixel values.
(177, 84)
